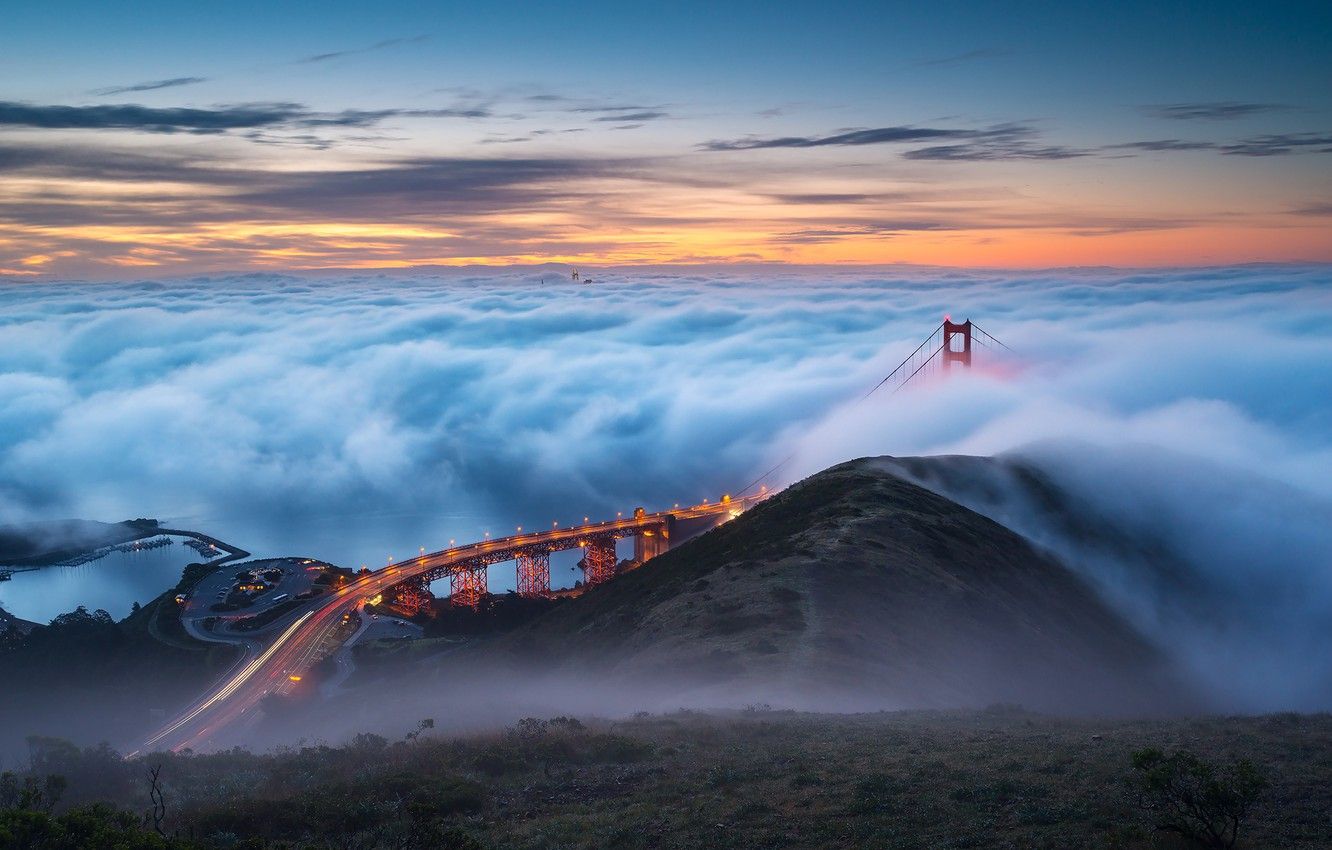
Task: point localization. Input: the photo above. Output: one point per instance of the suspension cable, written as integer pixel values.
(902, 383)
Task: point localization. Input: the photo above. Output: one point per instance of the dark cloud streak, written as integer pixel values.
(150, 119)
(379, 45)
(152, 85)
(246, 116)
(1158, 145)
(960, 58)
(876, 136)
(1210, 110)
(1001, 142)
(634, 116)
(1274, 144)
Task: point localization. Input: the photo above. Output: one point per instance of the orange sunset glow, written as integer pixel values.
(891, 141)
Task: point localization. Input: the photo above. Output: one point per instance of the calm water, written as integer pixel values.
(113, 583)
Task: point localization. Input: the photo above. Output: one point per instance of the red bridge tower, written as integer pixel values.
(956, 343)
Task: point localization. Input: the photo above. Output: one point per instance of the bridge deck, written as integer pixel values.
(499, 549)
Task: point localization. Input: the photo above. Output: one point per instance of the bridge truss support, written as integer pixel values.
(599, 561)
(412, 596)
(533, 574)
(467, 585)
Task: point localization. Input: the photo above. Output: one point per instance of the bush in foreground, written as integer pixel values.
(1195, 798)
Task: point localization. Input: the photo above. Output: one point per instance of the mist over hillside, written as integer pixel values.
(1228, 571)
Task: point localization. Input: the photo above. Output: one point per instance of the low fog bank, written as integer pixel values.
(362, 417)
(357, 417)
(484, 699)
(1229, 572)
(495, 697)
(20, 542)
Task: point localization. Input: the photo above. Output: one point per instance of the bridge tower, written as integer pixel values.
(599, 560)
(533, 574)
(467, 585)
(956, 343)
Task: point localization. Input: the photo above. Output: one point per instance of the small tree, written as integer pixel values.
(158, 813)
(1194, 798)
(32, 794)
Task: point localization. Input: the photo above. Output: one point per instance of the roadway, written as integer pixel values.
(288, 659)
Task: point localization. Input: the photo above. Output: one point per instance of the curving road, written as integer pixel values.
(305, 640)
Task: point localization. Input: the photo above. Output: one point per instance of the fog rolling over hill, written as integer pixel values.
(1228, 572)
(852, 590)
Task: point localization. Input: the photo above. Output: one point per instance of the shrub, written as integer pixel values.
(1194, 798)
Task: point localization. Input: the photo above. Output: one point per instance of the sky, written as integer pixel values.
(162, 139)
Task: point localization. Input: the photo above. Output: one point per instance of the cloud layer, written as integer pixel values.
(359, 417)
(129, 116)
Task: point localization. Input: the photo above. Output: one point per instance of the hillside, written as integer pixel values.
(853, 589)
(9, 623)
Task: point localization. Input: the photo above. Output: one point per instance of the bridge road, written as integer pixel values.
(297, 647)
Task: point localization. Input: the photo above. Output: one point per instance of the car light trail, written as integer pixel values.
(235, 682)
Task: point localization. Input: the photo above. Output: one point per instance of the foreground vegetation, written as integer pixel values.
(760, 778)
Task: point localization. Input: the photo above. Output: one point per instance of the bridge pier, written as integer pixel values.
(467, 585)
(651, 543)
(533, 574)
(412, 596)
(599, 560)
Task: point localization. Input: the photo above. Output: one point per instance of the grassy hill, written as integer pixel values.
(853, 589)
